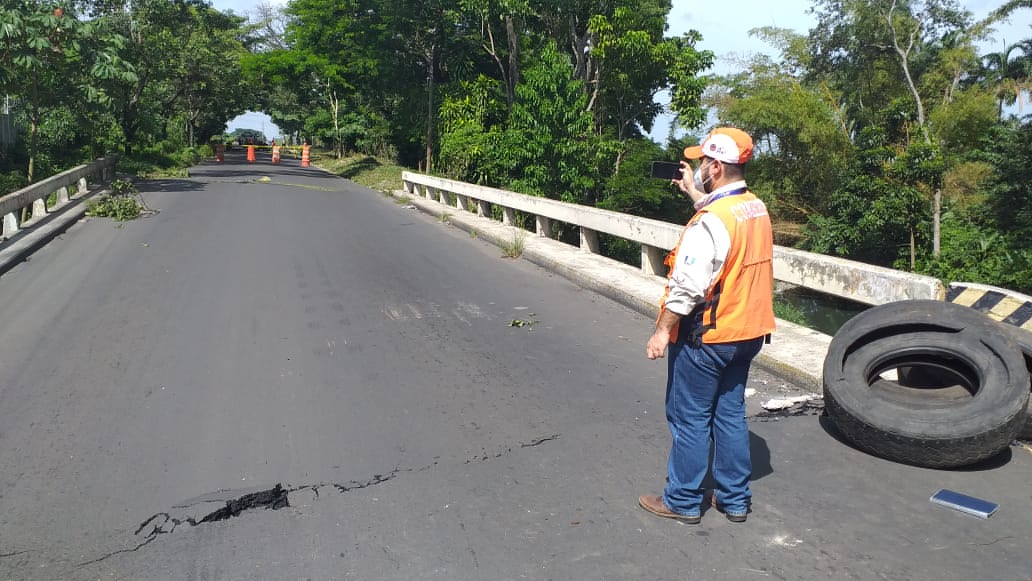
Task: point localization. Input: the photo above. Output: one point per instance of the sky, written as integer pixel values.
(725, 30)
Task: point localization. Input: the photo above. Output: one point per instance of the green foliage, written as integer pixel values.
(788, 312)
(514, 246)
(11, 182)
(163, 160)
(56, 64)
(470, 124)
(631, 190)
(972, 253)
(119, 207)
(123, 187)
(1010, 204)
(810, 139)
(549, 148)
(873, 214)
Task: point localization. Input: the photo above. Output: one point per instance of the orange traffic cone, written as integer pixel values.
(220, 153)
(306, 155)
(250, 154)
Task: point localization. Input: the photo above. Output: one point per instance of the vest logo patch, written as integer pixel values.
(748, 210)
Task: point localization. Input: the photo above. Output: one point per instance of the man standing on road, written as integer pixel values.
(715, 316)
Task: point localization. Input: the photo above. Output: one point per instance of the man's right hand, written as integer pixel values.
(657, 345)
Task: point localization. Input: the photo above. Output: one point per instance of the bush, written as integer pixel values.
(120, 208)
(123, 187)
(12, 182)
(121, 204)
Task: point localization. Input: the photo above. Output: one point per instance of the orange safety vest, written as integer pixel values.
(739, 305)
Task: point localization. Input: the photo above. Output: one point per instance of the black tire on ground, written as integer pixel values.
(918, 376)
(1024, 340)
(975, 407)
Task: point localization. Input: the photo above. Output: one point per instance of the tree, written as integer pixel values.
(802, 131)
(918, 54)
(52, 60)
(549, 148)
(500, 24)
(181, 50)
(873, 215)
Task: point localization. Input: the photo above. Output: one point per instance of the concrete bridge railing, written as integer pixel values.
(50, 205)
(856, 281)
(35, 196)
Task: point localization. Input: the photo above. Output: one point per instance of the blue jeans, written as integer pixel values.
(706, 399)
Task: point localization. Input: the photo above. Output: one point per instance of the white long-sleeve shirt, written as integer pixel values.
(700, 257)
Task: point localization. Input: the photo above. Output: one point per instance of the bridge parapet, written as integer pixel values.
(856, 281)
(35, 196)
(18, 238)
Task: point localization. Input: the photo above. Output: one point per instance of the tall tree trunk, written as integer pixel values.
(431, 86)
(913, 250)
(904, 61)
(33, 127)
(335, 112)
(937, 222)
(514, 57)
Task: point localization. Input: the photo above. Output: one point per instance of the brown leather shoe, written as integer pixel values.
(656, 506)
(735, 517)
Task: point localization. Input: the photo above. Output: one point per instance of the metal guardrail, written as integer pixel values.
(856, 281)
(34, 197)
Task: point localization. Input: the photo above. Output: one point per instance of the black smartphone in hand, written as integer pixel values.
(666, 170)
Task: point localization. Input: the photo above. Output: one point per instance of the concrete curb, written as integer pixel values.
(19, 248)
(796, 352)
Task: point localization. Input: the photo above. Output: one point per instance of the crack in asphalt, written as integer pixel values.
(531, 444)
(275, 498)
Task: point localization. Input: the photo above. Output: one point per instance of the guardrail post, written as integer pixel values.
(461, 202)
(543, 226)
(483, 209)
(508, 216)
(442, 196)
(652, 260)
(62, 196)
(10, 224)
(39, 208)
(589, 241)
(81, 188)
(408, 187)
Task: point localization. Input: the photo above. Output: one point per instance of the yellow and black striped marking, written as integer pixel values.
(997, 305)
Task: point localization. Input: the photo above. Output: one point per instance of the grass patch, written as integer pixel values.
(789, 312)
(365, 170)
(514, 248)
(156, 162)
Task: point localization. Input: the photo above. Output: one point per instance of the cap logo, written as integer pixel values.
(717, 149)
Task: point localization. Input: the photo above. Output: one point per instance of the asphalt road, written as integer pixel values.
(301, 379)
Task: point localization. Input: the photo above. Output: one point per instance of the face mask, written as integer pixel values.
(699, 183)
